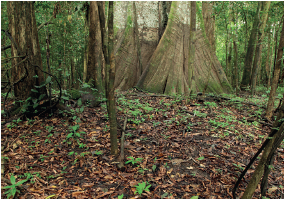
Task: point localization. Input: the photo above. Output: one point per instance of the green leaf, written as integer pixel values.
(9, 186)
(41, 96)
(200, 158)
(33, 90)
(50, 196)
(13, 179)
(194, 197)
(21, 182)
(48, 80)
(120, 196)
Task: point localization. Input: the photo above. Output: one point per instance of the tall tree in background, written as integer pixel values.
(274, 84)
(95, 55)
(25, 50)
(192, 39)
(250, 51)
(263, 19)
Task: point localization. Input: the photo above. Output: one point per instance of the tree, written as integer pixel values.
(274, 84)
(167, 71)
(26, 63)
(108, 50)
(250, 51)
(192, 40)
(263, 19)
(274, 141)
(95, 55)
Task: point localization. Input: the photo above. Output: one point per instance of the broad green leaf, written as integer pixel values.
(194, 197)
(13, 179)
(200, 158)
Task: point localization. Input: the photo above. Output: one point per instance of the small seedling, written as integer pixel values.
(12, 191)
(120, 196)
(133, 161)
(141, 187)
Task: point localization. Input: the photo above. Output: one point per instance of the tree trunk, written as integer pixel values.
(95, 55)
(209, 22)
(269, 109)
(167, 71)
(250, 51)
(129, 58)
(110, 94)
(22, 25)
(268, 58)
(271, 146)
(191, 78)
(263, 19)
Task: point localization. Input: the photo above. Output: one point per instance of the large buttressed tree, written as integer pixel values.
(25, 50)
(136, 39)
(168, 70)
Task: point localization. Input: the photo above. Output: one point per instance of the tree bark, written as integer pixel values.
(110, 70)
(209, 22)
(95, 57)
(269, 109)
(250, 51)
(263, 20)
(192, 36)
(22, 25)
(268, 58)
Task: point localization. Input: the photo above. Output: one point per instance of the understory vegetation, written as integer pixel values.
(175, 147)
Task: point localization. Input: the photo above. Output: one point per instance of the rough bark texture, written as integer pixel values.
(270, 105)
(250, 51)
(95, 56)
(209, 22)
(263, 20)
(138, 36)
(192, 39)
(110, 70)
(168, 68)
(22, 26)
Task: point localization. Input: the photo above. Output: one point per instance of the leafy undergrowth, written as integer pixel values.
(174, 148)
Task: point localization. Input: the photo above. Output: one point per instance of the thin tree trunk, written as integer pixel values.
(277, 134)
(191, 78)
(110, 77)
(263, 20)
(268, 58)
(269, 109)
(250, 51)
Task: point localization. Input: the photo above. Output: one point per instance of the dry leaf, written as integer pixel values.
(270, 190)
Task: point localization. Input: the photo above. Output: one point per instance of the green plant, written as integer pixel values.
(142, 170)
(12, 191)
(97, 152)
(133, 161)
(238, 166)
(120, 196)
(154, 167)
(141, 187)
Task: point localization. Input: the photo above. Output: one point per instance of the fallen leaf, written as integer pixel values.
(270, 190)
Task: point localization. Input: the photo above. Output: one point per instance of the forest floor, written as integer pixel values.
(179, 148)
